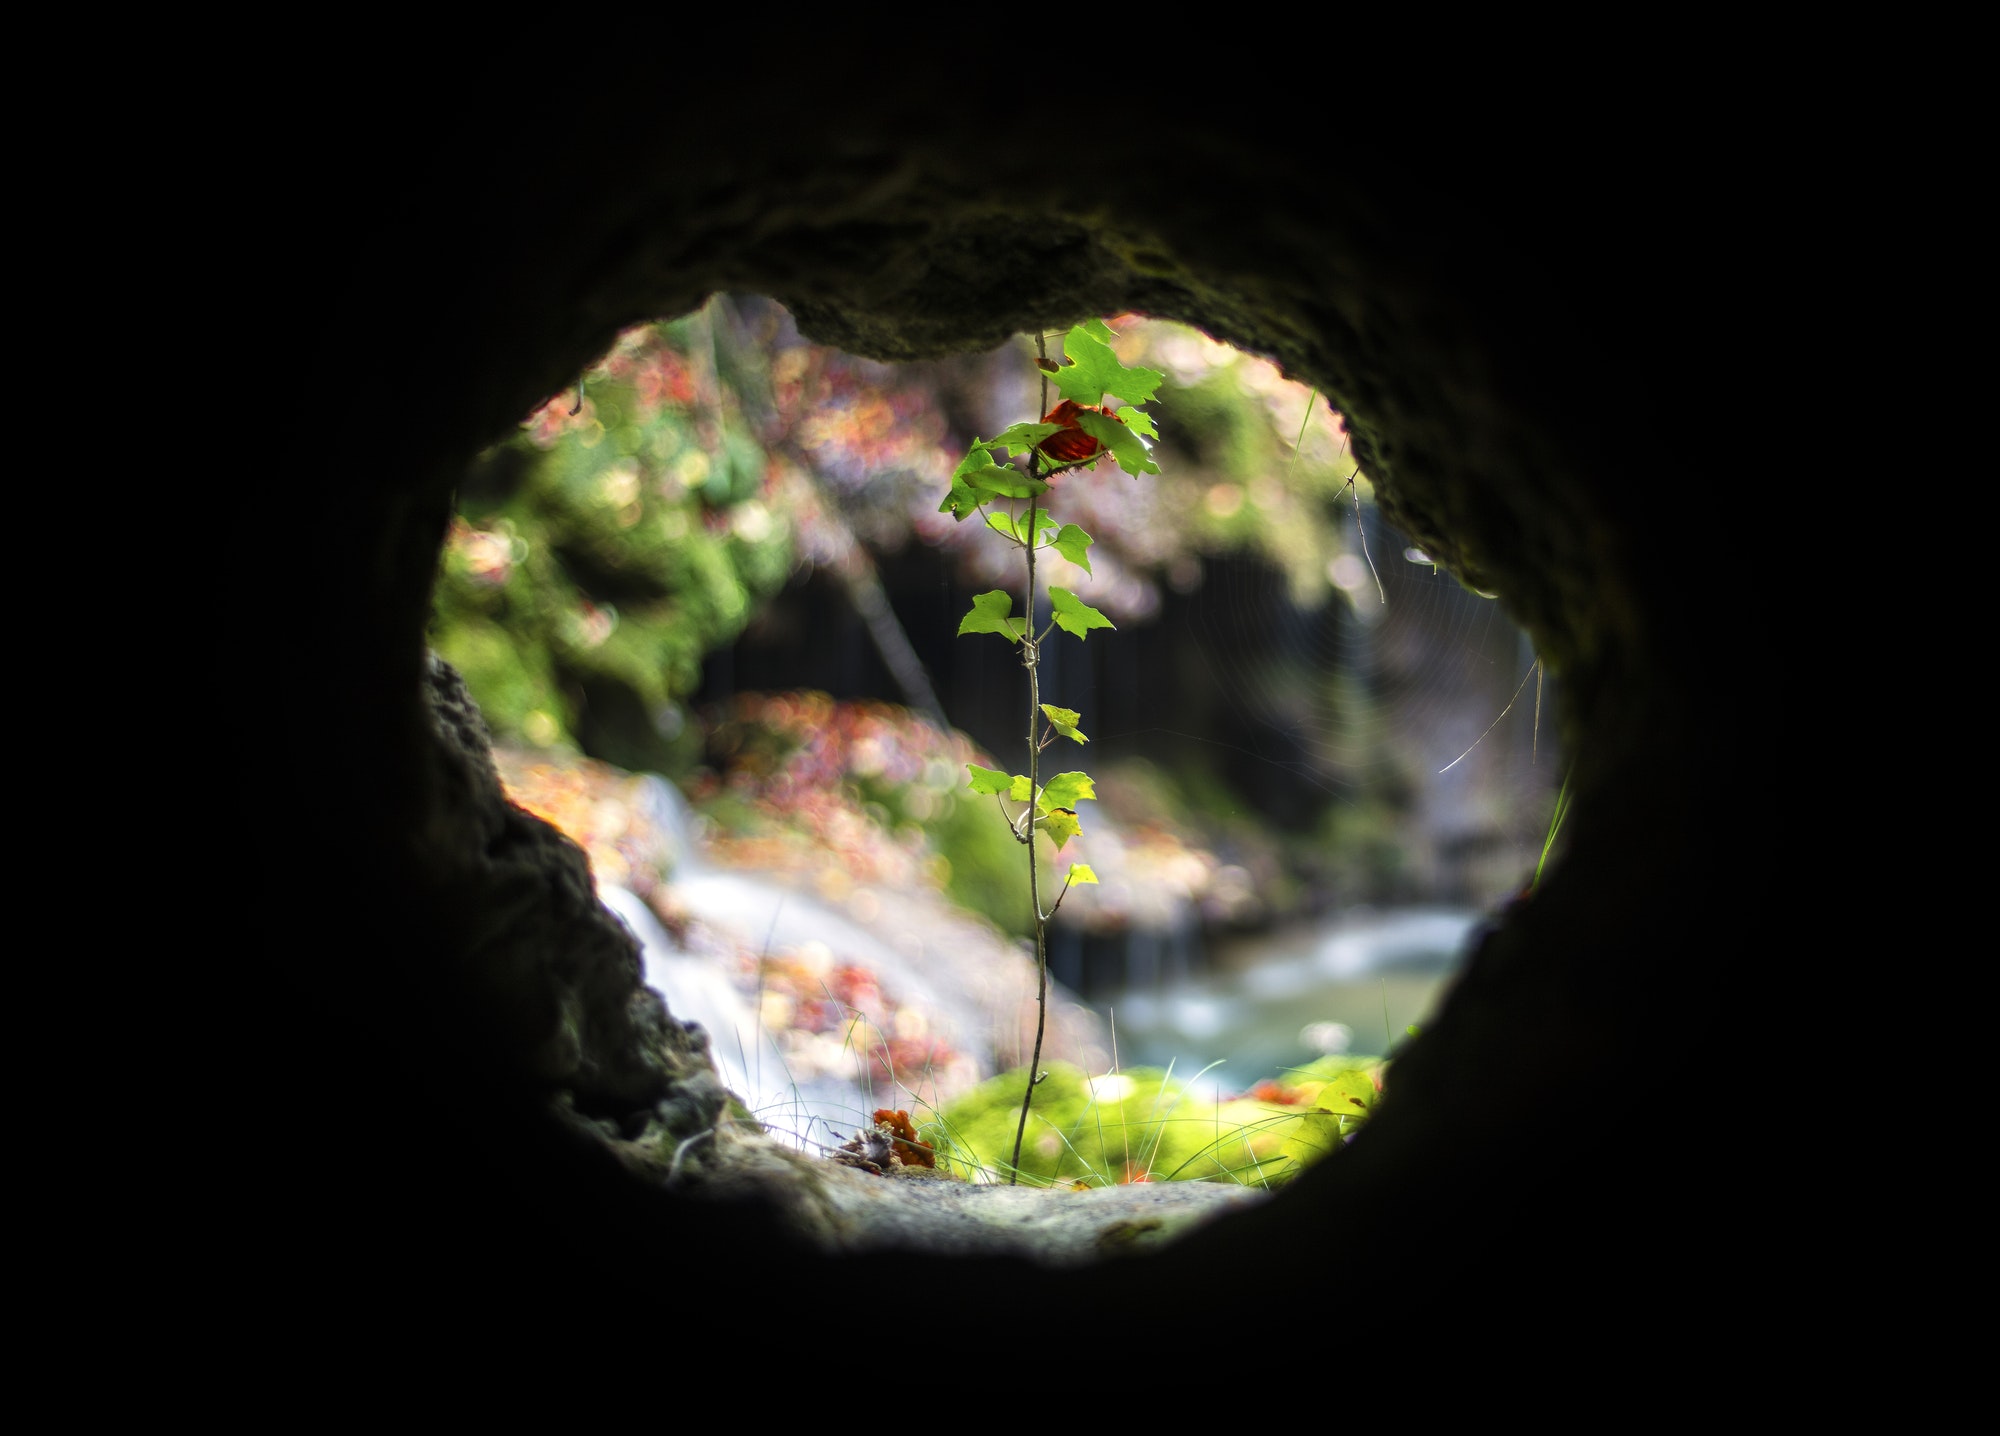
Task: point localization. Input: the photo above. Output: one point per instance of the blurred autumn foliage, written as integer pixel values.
(721, 495)
(613, 542)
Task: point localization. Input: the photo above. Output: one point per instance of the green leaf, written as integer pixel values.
(1021, 789)
(1097, 329)
(1073, 544)
(989, 615)
(1126, 447)
(1015, 526)
(988, 780)
(1063, 720)
(1072, 613)
(998, 481)
(1066, 790)
(1094, 371)
(1020, 438)
(978, 473)
(1139, 422)
(978, 480)
(961, 501)
(1081, 873)
(1061, 826)
(975, 458)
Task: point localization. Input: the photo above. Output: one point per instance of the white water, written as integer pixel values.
(1271, 1003)
(1278, 1002)
(967, 980)
(812, 1113)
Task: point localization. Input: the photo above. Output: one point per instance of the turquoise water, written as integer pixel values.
(1279, 1001)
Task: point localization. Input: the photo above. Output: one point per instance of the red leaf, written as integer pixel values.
(1072, 445)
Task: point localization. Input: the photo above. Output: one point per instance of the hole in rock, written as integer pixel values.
(710, 608)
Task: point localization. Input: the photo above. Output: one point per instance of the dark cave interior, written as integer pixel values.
(1508, 341)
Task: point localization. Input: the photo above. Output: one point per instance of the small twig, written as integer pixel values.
(1059, 897)
(579, 400)
(1362, 529)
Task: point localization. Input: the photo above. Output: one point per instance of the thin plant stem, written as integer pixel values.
(1030, 655)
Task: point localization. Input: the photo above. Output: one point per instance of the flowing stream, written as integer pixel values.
(1267, 1004)
(809, 1111)
(1279, 1001)
(952, 977)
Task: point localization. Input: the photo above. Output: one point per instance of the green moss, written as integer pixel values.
(511, 681)
(1136, 1125)
(1147, 1125)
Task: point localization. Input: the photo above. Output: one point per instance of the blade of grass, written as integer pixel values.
(1257, 1164)
(1239, 1130)
(1160, 1132)
(1555, 825)
(1062, 1137)
(1310, 400)
(1158, 1092)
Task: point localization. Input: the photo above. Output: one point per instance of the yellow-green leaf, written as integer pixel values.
(1066, 790)
(1310, 1137)
(1081, 873)
(1064, 721)
(1347, 1094)
(1061, 826)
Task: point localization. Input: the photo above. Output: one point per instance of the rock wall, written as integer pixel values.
(1510, 329)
